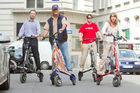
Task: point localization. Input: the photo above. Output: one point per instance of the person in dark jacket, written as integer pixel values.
(58, 23)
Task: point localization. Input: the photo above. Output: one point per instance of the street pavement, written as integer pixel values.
(129, 84)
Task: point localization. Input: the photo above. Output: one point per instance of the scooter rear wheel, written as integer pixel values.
(94, 76)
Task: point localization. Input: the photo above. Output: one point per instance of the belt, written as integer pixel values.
(31, 37)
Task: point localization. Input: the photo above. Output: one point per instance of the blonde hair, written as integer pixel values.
(114, 15)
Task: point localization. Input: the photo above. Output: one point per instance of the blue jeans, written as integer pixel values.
(64, 50)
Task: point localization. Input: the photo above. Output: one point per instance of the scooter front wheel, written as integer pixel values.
(52, 80)
(41, 77)
(57, 81)
(73, 81)
(23, 78)
(98, 81)
(116, 81)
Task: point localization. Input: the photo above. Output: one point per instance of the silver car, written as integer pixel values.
(4, 63)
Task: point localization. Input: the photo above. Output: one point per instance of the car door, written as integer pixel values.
(2, 73)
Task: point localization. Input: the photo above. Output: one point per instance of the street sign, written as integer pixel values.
(69, 31)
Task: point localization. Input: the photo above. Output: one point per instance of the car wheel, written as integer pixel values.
(131, 73)
(45, 65)
(137, 73)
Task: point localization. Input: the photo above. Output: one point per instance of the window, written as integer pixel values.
(136, 1)
(76, 44)
(34, 3)
(102, 3)
(137, 38)
(94, 5)
(18, 28)
(39, 3)
(100, 26)
(42, 30)
(75, 4)
(109, 3)
(30, 3)
(127, 33)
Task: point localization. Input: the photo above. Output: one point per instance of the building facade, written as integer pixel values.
(14, 12)
(128, 14)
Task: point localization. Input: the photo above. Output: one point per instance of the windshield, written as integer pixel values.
(18, 52)
(127, 54)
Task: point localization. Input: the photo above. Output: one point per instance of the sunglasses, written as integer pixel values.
(89, 18)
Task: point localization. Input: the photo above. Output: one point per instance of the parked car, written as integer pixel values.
(4, 63)
(129, 62)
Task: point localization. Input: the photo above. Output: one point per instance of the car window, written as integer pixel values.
(127, 54)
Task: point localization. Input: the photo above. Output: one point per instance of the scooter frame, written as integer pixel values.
(59, 66)
(117, 76)
(80, 74)
(27, 60)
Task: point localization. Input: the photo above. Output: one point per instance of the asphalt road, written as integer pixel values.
(130, 84)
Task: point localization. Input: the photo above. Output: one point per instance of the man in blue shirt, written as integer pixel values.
(31, 30)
